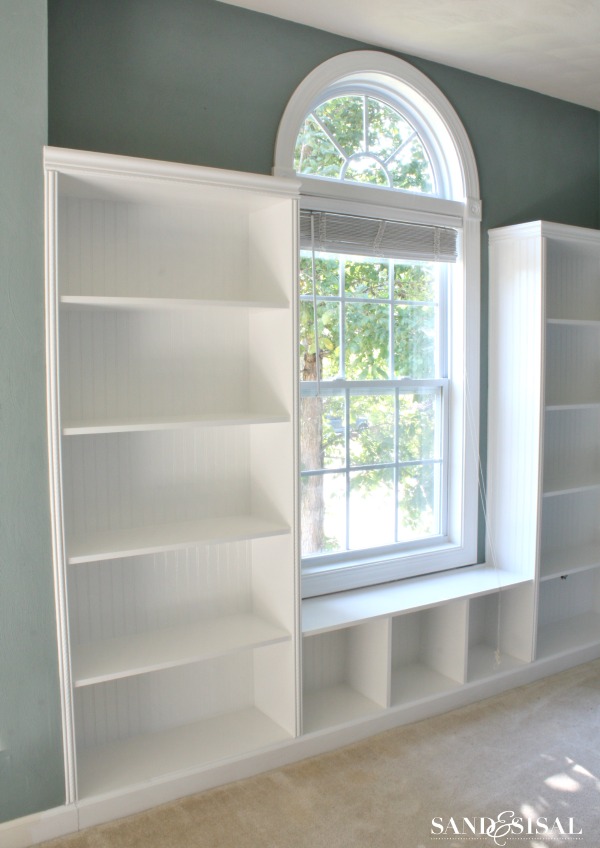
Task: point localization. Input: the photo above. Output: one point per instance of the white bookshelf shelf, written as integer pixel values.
(485, 662)
(574, 322)
(214, 419)
(418, 682)
(569, 634)
(580, 483)
(169, 537)
(167, 648)
(335, 705)
(165, 303)
(149, 756)
(590, 405)
(560, 561)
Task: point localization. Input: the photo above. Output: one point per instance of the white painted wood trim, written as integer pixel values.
(56, 488)
(81, 162)
(39, 827)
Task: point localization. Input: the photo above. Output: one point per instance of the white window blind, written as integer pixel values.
(336, 233)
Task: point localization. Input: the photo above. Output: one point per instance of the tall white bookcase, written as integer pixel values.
(187, 657)
(171, 326)
(544, 437)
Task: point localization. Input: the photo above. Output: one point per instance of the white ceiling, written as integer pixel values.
(550, 46)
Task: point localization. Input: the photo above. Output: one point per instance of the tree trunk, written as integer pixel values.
(311, 446)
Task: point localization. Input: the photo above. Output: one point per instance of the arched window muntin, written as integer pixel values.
(455, 204)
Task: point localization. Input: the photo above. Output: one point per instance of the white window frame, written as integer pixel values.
(456, 205)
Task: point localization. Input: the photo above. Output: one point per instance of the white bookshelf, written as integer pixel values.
(545, 338)
(171, 376)
(185, 650)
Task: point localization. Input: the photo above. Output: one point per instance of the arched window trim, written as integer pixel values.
(391, 78)
(412, 93)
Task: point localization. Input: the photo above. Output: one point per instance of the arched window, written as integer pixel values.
(388, 323)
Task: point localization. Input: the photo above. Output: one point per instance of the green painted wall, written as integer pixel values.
(31, 765)
(203, 82)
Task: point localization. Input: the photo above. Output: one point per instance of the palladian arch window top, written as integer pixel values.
(361, 139)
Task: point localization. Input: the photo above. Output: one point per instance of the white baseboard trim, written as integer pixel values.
(61, 821)
(39, 827)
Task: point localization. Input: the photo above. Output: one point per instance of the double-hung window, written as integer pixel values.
(388, 324)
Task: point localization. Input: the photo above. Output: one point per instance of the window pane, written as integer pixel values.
(367, 278)
(367, 341)
(323, 513)
(329, 340)
(327, 275)
(416, 281)
(343, 118)
(371, 429)
(322, 432)
(414, 341)
(371, 514)
(387, 129)
(418, 502)
(315, 153)
(419, 423)
(411, 170)
(366, 169)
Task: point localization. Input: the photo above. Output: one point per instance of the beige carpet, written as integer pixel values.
(534, 751)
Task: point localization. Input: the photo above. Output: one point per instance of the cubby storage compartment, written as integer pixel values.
(170, 327)
(138, 728)
(500, 632)
(345, 674)
(134, 368)
(135, 493)
(428, 652)
(139, 614)
(570, 534)
(572, 270)
(569, 613)
(571, 450)
(572, 363)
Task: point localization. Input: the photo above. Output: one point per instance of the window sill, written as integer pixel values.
(343, 609)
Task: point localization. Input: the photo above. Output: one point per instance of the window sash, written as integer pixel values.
(346, 468)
